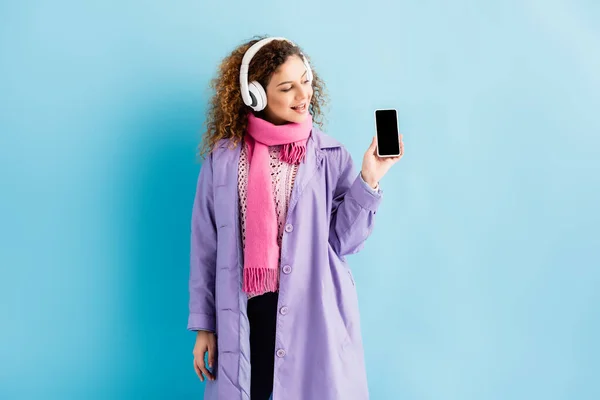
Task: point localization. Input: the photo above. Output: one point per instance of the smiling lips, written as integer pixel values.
(300, 108)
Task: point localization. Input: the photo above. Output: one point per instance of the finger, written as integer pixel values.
(211, 355)
(202, 366)
(373, 145)
(206, 372)
(198, 371)
(395, 159)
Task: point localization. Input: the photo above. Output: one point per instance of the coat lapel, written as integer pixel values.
(307, 169)
(227, 162)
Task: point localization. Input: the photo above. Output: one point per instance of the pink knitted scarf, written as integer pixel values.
(261, 254)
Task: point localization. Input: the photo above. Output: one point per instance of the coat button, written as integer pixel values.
(287, 269)
(289, 228)
(281, 353)
(284, 310)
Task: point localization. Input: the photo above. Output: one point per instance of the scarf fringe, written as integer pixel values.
(260, 280)
(293, 153)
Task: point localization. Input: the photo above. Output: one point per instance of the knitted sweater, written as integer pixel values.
(282, 178)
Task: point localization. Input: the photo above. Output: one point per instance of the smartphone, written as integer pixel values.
(386, 127)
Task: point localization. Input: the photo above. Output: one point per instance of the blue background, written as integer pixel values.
(481, 278)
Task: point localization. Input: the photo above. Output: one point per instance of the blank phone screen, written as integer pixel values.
(387, 132)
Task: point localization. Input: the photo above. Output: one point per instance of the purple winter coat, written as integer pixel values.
(319, 353)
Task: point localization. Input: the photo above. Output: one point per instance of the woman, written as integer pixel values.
(278, 206)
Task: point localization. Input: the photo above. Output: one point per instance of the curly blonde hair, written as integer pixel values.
(227, 114)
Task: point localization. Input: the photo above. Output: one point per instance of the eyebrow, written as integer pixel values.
(282, 83)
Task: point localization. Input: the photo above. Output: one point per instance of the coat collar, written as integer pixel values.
(322, 140)
(316, 144)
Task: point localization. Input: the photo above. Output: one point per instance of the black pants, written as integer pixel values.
(262, 314)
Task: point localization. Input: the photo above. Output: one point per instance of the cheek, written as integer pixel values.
(281, 101)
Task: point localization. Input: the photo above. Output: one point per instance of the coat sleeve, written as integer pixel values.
(203, 253)
(353, 208)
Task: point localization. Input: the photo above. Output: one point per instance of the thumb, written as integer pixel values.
(212, 350)
(211, 356)
(373, 145)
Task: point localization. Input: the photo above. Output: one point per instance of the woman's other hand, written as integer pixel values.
(205, 342)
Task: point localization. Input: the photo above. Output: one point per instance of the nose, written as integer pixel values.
(302, 93)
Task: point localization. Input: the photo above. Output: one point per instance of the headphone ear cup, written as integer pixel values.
(259, 97)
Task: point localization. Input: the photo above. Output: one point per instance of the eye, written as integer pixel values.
(306, 81)
(287, 90)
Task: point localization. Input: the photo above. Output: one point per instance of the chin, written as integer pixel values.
(283, 117)
(295, 117)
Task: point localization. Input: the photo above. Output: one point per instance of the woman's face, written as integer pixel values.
(288, 93)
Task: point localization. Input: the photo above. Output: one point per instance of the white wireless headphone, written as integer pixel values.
(254, 94)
